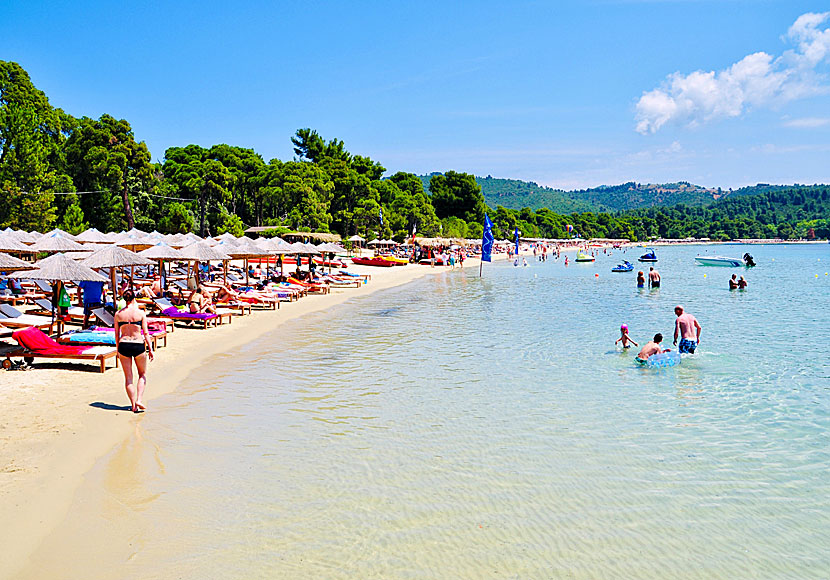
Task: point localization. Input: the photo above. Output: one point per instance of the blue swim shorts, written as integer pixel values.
(687, 346)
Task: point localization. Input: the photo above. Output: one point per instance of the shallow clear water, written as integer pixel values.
(466, 427)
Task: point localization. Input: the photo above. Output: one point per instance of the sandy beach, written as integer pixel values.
(57, 422)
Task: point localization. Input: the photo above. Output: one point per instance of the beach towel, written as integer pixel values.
(174, 312)
(34, 340)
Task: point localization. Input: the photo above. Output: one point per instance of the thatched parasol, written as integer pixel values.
(10, 263)
(8, 243)
(56, 242)
(112, 256)
(61, 232)
(134, 241)
(162, 252)
(60, 267)
(202, 252)
(92, 236)
(244, 249)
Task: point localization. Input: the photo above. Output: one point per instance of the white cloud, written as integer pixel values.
(807, 122)
(756, 81)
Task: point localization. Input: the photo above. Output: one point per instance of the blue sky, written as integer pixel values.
(568, 94)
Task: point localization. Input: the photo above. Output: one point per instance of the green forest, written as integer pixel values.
(57, 170)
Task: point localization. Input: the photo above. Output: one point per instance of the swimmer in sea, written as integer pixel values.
(688, 328)
(641, 280)
(650, 348)
(733, 282)
(653, 277)
(742, 284)
(624, 338)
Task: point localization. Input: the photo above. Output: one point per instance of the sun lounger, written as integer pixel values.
(364, 277)
(204, 318)
(108, 320)
(310, 286)
(34, 344)
(5, 332)
(13, 318)
(44, 307)
(102, 335)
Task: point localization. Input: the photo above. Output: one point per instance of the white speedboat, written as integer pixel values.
(719, 261)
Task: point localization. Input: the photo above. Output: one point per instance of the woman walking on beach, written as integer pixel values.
(132, 339)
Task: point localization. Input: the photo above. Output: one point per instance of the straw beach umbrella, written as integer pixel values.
(244, 250)
(112, 257)
(92, 236)
(57, 269)
(60, 267)
(162, 252)
(202, 252)
(9, 243)
(10, 263)
(57, 242)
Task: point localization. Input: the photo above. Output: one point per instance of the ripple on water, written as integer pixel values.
(466, 427)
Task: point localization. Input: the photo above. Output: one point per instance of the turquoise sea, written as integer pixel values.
(466, 427)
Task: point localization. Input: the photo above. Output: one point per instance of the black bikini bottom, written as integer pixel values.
(131, 349)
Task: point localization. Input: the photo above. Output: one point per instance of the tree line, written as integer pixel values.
(75, 173)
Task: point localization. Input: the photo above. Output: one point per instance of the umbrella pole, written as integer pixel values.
(113, 288)
(225, 270)
(246, 272)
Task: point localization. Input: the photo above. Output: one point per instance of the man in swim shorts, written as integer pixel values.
(688, 328)
(650, 348)
(653, 277)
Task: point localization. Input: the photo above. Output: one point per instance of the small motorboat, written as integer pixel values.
(719, 261)
(626, 266)
(649, 256)
(583, 257)
(725, 261)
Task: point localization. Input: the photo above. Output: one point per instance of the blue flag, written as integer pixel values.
(487, 240)
(517, 241)
(380, 215)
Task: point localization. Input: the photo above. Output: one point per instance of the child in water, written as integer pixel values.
(641, 280)
(624, 338)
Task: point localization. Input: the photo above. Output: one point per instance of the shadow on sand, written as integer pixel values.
(110, 406)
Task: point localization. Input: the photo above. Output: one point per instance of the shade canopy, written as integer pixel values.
(134, 240)
(162, 251)
(247, 249)
(356, 238)
(61, 232)
(92, 236)
(112, 256)
(56, 242)
(8, 243)
(330, 248)
(9, 263)
(203, 253)
(60, 267)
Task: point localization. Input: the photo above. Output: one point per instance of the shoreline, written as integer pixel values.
(59, 422)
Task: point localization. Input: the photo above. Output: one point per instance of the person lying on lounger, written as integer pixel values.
(226, 294)
(153, 290)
